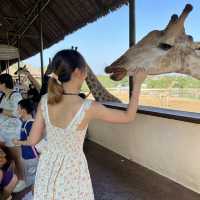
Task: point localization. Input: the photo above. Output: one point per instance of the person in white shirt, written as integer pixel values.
(10, 124)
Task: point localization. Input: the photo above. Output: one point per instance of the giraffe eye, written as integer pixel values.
(164, 46)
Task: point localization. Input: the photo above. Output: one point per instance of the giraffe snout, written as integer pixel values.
(116, 73)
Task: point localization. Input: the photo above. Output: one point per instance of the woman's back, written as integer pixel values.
(63, 172)
(63, 124)
(62, 113)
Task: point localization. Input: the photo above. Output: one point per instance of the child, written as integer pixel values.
(29, 153)
(10, 125)
(8, 180)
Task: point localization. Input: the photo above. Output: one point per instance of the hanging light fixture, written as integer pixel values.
(8, 52)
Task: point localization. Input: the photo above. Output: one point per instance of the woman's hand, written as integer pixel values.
(116, 116)
(139, 75)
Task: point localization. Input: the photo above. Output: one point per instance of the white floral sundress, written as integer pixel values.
(62, 172)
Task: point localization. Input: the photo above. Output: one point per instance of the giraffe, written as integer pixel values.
(99, 92)
(24, 71)
(166, 51)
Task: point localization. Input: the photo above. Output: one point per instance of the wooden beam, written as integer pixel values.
(39, 6)
(41, 49)
(3, 21)
(35, 28)
(20, 10)
(2, 34)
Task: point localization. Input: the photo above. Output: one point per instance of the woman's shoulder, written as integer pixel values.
(88, 103)
(89, 100)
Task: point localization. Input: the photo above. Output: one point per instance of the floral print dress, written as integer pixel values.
(62, 172)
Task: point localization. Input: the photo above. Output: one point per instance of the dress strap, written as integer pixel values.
(81, 115)
(88, 103)
(44, 106)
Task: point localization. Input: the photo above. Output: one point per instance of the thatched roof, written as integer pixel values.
(60, 18)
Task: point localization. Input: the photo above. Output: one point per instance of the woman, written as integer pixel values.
(63, 172)
(10, 124)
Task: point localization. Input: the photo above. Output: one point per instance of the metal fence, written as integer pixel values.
(192, 93)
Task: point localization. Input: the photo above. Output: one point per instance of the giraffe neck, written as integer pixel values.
(97, 89)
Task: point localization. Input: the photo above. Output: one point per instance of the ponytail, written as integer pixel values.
(64, 63)
(55, 91)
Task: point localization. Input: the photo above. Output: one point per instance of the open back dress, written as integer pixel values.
(62, 172)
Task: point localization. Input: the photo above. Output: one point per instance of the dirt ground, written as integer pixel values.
(172, 103)
(176, 103)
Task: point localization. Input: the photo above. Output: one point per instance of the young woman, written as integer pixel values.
(10, 125)
(63, 171)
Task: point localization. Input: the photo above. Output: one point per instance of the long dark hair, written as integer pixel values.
(64, 63)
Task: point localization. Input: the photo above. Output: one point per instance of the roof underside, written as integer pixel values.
(59, 17)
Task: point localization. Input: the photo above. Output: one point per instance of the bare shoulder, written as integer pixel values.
(95, 105)
(95, 108)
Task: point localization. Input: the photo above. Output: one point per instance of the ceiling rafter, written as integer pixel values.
(37, 9)
(19, 9)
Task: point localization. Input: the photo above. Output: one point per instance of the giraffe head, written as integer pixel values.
(165, 51)
(21, 70)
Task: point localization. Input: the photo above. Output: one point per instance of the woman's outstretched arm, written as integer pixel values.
(99, 111)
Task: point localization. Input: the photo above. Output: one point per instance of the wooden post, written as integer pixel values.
(7, 64)
(132, 35)
(18, 66)
(41, 49)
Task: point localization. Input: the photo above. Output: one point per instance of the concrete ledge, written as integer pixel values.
(169, 147)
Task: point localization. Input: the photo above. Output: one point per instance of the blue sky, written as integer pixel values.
(105, 40)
